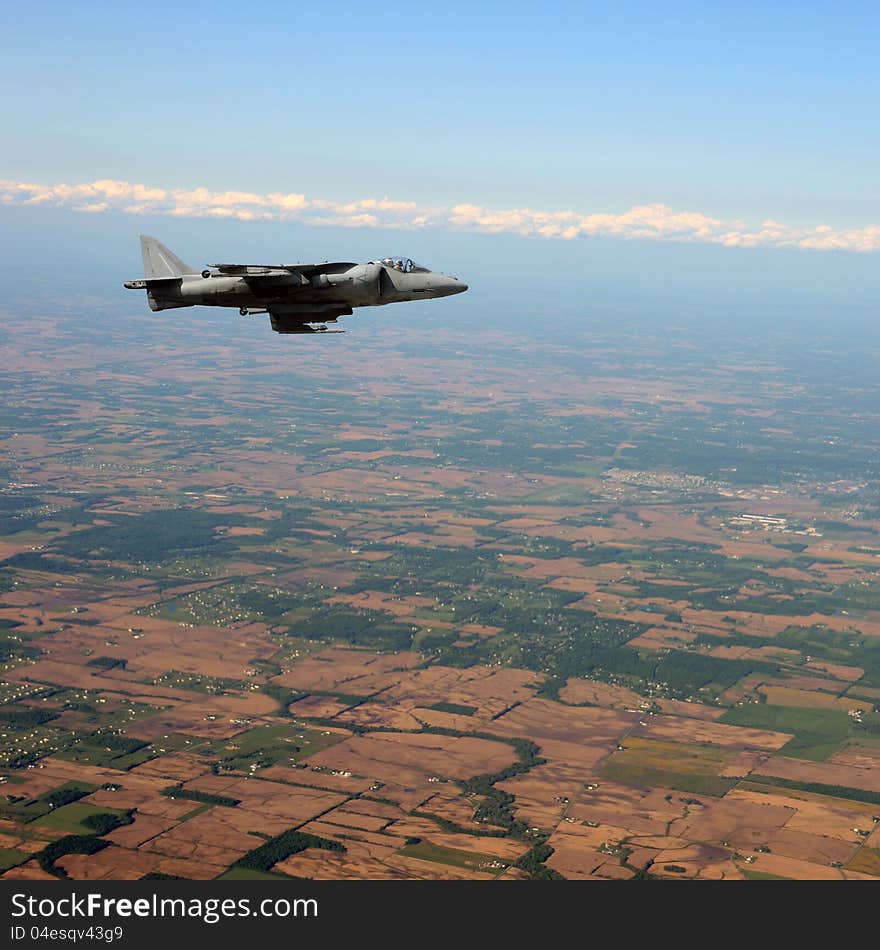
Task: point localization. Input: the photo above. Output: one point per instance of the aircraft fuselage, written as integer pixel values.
(293, 295)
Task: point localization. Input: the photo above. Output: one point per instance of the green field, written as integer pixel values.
(818, 733)
(685, 768)
(28, 810)
(471, 860)
(454, 708)
(10, 858)
(102, 748)
(282, 744)
(196, 683)
(69, 818)
(751, 875)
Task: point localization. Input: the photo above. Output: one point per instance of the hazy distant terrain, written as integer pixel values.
(423, 601)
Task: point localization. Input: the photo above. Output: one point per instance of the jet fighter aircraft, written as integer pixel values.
(299, 298)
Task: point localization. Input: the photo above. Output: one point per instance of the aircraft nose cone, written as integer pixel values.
(446, 286)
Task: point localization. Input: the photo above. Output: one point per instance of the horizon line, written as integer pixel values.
(652, 222)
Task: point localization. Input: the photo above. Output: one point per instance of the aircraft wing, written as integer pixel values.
(252, 270)
(280, 270)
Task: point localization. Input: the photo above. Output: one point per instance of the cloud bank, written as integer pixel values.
(653, 222)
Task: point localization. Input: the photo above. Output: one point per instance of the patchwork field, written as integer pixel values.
(473, 604)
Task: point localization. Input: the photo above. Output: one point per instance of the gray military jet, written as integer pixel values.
(299, 298)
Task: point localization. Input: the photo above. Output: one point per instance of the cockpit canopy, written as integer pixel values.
(405, 264)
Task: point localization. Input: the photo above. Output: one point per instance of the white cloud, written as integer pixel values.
(652, 222)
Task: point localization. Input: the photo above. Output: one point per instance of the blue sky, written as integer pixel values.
(754, 110)
(733, 112)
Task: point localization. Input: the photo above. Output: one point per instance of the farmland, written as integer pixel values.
(608, 611)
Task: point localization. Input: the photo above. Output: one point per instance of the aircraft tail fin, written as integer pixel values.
(160, 262)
